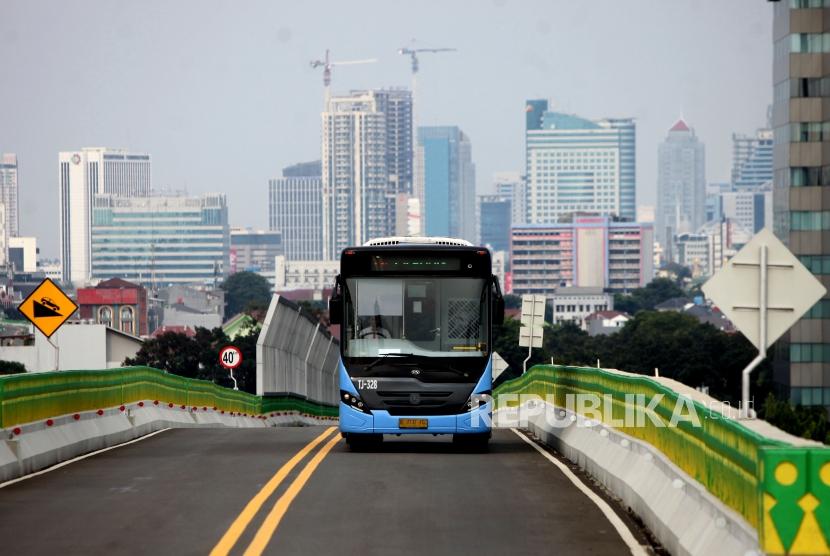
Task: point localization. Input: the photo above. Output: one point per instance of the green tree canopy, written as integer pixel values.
(245, 290)
(198, 357)
(646, 298)
(11, 368)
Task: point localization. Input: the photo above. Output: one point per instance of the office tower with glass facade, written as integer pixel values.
(752, 159)
(495, 218)
(681, 185)
(295, 209)
(160, 240)
(449, 187)
(82, 175)
(801, 182)
(575, 165)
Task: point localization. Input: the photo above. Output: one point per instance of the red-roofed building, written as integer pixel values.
(174, 329)
(116, 303)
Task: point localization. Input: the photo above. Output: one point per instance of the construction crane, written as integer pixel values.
(326, 63)
(413, 55)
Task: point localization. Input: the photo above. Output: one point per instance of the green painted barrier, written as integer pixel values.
(781, 490)
(31, 397)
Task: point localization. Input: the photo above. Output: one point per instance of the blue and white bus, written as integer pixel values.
(416, 339)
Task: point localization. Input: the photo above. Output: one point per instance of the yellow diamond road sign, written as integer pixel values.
(47, 307)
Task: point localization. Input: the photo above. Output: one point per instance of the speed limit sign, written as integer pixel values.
(230, 357)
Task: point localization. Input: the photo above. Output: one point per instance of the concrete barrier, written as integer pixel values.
(678, 510)
(295, 355)
(30, 447)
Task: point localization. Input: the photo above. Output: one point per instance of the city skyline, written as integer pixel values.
(193, 107)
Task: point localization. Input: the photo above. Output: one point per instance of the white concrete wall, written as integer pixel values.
(80, 347)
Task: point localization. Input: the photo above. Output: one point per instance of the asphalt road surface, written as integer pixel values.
(301, 491)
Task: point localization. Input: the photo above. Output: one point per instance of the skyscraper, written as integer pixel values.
(801, 127)
(578, 165)
(495, 218)
(514, 186)
(367, 162)
(295, 208)
(681, 185)
(449, 182)
(160, 240)
(752, 159)
(81, 175)
(9, 193)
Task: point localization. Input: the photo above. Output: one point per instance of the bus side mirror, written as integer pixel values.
(498, 302)
(336, 302)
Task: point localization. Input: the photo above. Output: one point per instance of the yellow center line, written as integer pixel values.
(269, 526)
(244, 519)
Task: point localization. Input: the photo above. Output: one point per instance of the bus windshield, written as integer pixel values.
(427, 316)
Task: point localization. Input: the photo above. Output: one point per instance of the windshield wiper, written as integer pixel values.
(384, 356)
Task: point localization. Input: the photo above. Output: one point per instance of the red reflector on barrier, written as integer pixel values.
(49, 422)
(16, 430)
(140, 404)
(100, 412)
(170, 405)
(156, 402)
(204, 409)
(182, 406)
(122, 408)
(77, 416)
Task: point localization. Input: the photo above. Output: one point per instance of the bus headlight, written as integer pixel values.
(477, 400)
(353, 401)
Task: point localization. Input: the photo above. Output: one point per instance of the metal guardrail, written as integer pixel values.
(783, 491)
(35, 396)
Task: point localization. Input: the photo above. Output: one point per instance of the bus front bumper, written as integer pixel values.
(380, 422)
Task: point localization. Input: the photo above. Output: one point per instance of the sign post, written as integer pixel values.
(763, 290)
(47, 308)
(230, 357)
(531, 331)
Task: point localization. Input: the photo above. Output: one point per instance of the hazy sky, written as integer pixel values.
(222, 96)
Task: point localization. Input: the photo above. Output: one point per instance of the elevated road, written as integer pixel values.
(301, 491)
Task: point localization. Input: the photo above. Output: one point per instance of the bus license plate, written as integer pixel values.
(413, 423)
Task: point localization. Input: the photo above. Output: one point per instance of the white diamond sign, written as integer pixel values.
(791, 290)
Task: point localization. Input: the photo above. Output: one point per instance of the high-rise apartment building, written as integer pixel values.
(801, 196)
(82, 175)
(295, 209)
(367, 163)
(681, 185)
(449, 182)
(9, 193)
(575, 165)
(160, 240)
(513, 186)
(590, 252)
(752, 159)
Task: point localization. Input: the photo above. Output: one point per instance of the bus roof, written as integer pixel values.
(417, 240)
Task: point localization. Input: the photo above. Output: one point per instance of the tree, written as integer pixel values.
(173, 352)
(807, 422)
(245, 289)
(11, 368)
(655, 292)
